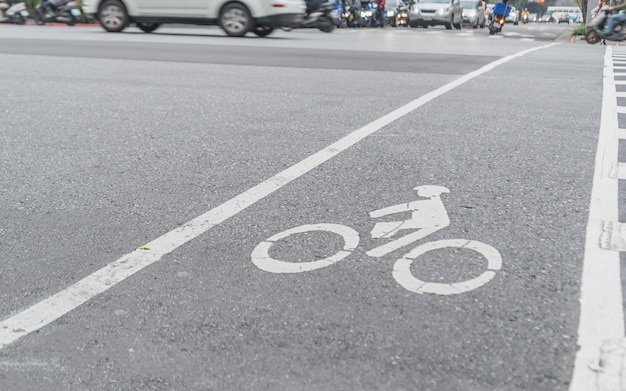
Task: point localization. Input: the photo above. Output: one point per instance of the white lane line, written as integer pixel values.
(601, 313)
(52, 308)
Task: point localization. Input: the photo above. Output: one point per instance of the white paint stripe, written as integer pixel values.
(601, 314)
(620, 94)
(620, 110)
(621, 134)
(52, 308)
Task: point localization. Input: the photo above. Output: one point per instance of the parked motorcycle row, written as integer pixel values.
(68, 12)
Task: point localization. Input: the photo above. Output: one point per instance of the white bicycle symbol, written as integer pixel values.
(427, 216)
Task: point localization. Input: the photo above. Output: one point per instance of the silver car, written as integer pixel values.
(436, 12)
(473, 13)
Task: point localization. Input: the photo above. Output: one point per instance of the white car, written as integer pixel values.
(513, 16)
(436, 12)
(236, 18)
(473, 13)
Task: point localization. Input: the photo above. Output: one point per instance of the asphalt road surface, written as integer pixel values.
(186, 211)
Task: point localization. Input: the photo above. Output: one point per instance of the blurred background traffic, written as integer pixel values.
(344, 13)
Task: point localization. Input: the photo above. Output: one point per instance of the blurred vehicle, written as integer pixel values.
(573, 13)
(513, 16)
(369, 15)
(576, 18)
(561, 18)
(396, 13)
(320, 15)
(353, 15)
(546, 19)
(533, 18)
(497, 17)
(13, 12)
(67, 12)
(436, 12)
(473, 13)
(489, 11)
(594, 32)
(525, 16)
(342, 10)
(235, 18)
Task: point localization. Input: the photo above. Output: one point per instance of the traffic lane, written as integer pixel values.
(520, 186)
(250, 55)
(417, 41)
(103, 156)
(210, 318)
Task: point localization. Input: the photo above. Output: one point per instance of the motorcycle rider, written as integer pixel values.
(525, 13)
(615, 18)
(380, 11)
(50, 6)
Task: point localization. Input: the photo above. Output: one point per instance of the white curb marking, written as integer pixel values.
(601, 313)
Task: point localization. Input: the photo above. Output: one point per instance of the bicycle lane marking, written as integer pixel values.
(428, 215)
(601, 320)
(48, 310)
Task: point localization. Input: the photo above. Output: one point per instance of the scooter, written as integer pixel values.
(500, 12)
(353, 15)
(323, 16)
(68, 13)
(398, 17)
(12, 12)
(524, 18)
(369, 14)
(342, 11)
(596, 25)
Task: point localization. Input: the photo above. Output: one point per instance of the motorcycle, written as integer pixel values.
(524, 18)
(342, 11)
(320, 15)
(500, 12)
(353, 16)
(398, 17)
(68, 13)
(596, 25)
(12, 12)
(369, 16)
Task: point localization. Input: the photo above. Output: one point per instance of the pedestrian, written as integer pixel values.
(380, 11)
